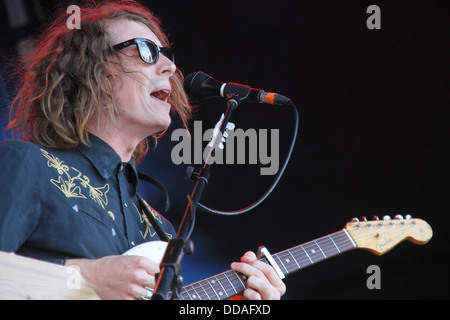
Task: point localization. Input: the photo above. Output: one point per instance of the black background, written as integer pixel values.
(373, 140)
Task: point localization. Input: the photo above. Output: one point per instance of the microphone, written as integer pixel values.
(199, 85)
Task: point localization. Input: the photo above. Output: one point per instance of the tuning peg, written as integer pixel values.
(355, 220)
(364, 218)
(408, 216)
(398, 217)
(386, 218)
(376, 218)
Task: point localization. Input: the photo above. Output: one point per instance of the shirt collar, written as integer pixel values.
(102, 156)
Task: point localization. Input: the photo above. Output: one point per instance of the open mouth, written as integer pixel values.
(162, 94)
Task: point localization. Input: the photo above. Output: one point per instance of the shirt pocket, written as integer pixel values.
(102, 218)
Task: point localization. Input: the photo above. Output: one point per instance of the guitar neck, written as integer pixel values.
(26, 278)
(230, 283)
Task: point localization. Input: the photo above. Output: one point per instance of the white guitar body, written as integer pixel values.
(153, 250)
(23, 278)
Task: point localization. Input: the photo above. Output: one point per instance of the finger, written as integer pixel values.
(145, 293)
(247, 269)
(140, 277)
(249, 257)
(251, 266)
(251, 294)
(262, 278)
(148, 281)
(263, 288)
(271, 275)
(148, 265)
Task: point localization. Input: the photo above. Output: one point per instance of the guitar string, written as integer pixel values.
(228, 285)
(333, 246)
(340, 239)
(384, 230)
(208, 288)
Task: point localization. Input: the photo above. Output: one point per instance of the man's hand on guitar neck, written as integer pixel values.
(263, 283)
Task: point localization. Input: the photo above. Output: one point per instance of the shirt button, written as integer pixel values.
(126, 205)
(132, 243)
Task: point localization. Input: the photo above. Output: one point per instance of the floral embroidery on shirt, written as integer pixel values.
(69, 183)
(111, 214)
(143, 218)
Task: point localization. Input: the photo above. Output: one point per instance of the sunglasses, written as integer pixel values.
(148, 50)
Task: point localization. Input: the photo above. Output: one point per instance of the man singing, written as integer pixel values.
(89, 99)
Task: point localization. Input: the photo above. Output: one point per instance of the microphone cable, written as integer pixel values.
(277, 178)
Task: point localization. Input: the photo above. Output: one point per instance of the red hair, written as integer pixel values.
(64, 80)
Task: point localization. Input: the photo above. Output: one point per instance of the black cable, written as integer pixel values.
(274, 184)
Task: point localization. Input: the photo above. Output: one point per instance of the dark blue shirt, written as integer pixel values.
(77, 203)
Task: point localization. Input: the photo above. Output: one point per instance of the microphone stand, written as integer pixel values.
(170, 277)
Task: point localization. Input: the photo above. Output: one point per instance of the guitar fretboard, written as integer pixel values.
(230, 283)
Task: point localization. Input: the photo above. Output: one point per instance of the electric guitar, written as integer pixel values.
(19, 278)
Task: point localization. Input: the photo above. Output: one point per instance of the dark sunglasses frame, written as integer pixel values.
(152, 48)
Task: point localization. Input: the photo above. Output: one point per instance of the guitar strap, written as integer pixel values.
(159, 231)
(145, 177)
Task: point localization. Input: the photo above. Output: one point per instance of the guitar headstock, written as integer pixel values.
(379, 236)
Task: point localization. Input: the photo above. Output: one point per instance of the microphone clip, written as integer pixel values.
(233, 91)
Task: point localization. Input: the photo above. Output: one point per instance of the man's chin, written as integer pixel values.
(161, 128)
